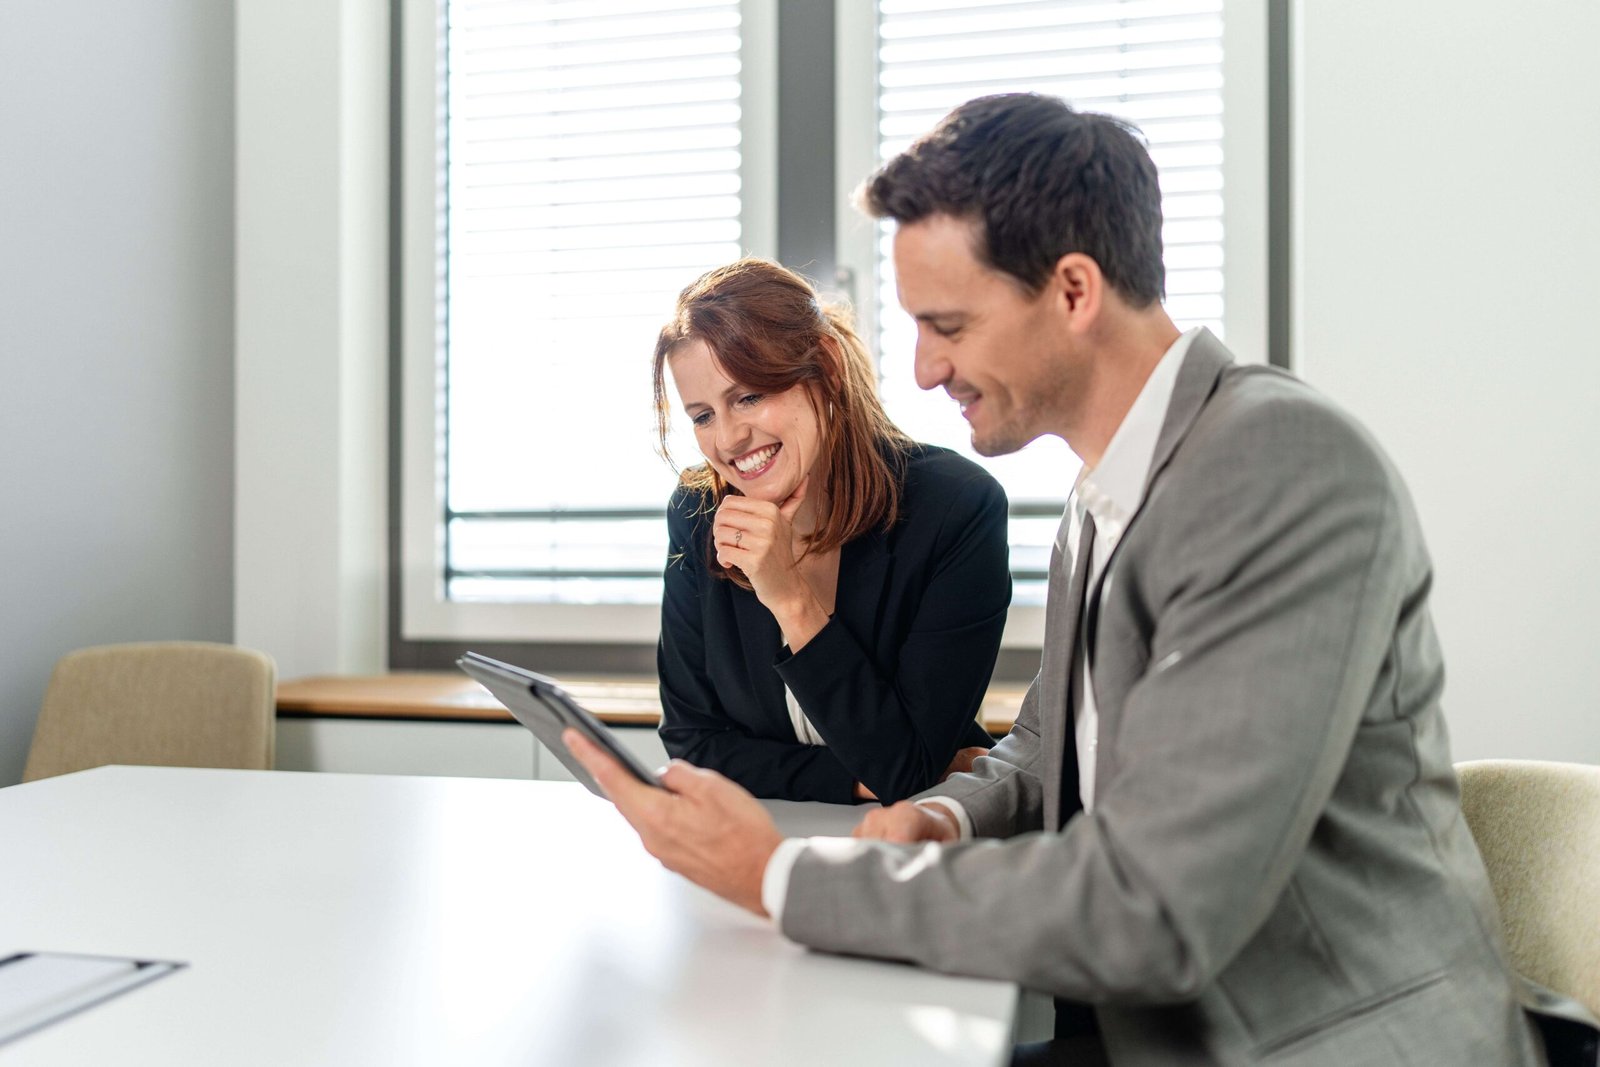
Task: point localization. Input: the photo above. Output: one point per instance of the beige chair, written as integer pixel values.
(167, 703)
(1538, 827)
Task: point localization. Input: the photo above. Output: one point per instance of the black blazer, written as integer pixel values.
(893, 682)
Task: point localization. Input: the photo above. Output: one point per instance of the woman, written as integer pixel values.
(834, 591)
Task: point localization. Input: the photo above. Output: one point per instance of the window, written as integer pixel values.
(1155, 63)
(571, 164)
(589, 161)
(594, 158)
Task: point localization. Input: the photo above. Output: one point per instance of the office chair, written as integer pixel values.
(1537, 826)
(167, 703)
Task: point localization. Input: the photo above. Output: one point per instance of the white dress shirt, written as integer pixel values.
(1112, 493)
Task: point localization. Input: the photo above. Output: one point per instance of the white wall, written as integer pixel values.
(116, 319)
(312, 242)
(1449, 267)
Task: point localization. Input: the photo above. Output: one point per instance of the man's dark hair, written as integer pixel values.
(1043, 180)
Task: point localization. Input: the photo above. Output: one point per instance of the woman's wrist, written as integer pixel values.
(800, 619)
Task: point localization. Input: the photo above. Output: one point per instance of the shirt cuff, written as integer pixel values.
(963, 820)
(780, 865)
(775, 882)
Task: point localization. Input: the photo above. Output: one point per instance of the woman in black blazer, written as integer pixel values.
(835, 592)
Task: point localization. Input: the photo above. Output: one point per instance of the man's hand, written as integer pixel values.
(701, 825)
(907, 823)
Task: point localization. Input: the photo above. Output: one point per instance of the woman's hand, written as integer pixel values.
(758, 537)
(963, 761)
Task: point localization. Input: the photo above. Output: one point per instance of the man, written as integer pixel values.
(1226, 816)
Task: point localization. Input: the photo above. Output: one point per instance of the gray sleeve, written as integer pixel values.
(1275, 579)
(1002, 794)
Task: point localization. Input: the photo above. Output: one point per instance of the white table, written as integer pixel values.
(347, 919)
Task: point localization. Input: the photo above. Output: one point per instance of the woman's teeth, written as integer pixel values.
(755, 460)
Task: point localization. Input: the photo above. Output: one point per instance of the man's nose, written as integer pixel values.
(932, 370)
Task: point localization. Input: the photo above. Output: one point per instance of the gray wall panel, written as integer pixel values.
(116, 334)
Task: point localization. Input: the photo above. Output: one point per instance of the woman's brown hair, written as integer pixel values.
(769, 332)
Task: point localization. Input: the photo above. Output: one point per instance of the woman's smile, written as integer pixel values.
(753, 465)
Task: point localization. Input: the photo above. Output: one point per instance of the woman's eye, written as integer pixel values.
(702, 418)
(750, 398)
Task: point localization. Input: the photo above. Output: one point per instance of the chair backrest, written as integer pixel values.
(166, 703)
(1538, 827)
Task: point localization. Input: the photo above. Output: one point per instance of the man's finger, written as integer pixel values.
(685, 778)
(620, 787)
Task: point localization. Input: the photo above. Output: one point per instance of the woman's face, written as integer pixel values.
(762, 444)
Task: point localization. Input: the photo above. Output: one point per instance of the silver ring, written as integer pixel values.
(738, 537)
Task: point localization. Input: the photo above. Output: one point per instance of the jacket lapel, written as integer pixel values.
(1060, 626)
(863, 570)
(1197, 380)
(760, 638)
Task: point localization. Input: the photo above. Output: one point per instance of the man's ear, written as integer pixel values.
(1079, 287)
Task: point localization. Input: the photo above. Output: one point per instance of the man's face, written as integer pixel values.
(1001, 353)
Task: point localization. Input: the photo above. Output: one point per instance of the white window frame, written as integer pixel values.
(425, 612)
(1244, 178)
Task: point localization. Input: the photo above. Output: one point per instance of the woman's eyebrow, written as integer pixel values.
(731, 390)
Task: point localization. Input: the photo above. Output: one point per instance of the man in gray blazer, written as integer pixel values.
(1226, 817)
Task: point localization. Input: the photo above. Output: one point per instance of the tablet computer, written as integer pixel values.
(545, 708)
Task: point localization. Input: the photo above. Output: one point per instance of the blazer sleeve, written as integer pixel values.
(1002, 794)
(1283, 569)
(693, 725)
(897, 725)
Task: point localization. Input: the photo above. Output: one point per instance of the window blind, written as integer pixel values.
(592, 169)
(1154, 63)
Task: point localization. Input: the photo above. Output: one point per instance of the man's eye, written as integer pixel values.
(946, 331)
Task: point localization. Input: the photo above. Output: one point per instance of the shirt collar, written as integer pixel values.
(1113, 490)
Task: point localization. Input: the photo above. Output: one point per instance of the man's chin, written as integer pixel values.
(999, 442)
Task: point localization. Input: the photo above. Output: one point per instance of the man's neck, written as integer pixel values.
(1125, 357)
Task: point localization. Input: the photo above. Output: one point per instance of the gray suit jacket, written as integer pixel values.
(1276, 869)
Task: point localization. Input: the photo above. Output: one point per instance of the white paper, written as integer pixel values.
(40, 988)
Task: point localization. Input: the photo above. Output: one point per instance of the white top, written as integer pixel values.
(356, 919)
(1112, 493)
(804, 732)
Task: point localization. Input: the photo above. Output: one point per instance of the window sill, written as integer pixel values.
(445, 697)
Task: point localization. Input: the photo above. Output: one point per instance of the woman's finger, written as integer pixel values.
(743, 505)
